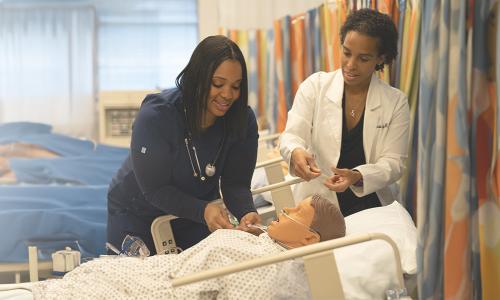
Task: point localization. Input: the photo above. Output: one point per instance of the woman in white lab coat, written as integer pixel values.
(347, 131)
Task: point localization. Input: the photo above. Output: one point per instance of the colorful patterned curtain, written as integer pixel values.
(457, 194)
(435, 84)
(485, 211)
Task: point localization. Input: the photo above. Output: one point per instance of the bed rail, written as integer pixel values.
(269, 137)
(280, 197)
(18, 268)
(269, 162)
(266, 145)
(323, 281)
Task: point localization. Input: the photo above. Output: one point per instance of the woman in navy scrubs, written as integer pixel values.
(185, 141)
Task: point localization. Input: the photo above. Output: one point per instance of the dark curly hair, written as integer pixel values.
(375, 24)
(196, 79)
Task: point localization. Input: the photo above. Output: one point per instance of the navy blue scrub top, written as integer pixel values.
(157, 177)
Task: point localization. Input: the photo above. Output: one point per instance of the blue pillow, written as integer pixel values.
(17, 129)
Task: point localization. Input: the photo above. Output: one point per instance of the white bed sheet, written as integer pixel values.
(16, 291)
(367, 270)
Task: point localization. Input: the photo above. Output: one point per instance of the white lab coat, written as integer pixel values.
(315, 124)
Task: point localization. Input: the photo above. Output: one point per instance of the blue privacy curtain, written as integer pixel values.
(457, 181)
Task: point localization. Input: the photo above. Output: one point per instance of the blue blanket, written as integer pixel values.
(42, 135)
(17, 129)
(52, 217)
(83, 170)
(59, 201)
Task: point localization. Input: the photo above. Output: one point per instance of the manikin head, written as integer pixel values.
(25, 150)
(18, 149)
(313, 220)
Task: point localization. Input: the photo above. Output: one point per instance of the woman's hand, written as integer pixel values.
(342, 179)
(216, 217)
(250, 218)
(304, 165)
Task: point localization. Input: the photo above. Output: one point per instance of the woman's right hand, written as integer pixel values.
(304, 165)
(216, 217)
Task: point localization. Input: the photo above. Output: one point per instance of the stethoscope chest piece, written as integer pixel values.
(210, 170)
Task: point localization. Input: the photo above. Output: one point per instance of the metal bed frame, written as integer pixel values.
(319, 260)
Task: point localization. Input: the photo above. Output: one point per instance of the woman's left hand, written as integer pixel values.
(342, 179)
(250, 218)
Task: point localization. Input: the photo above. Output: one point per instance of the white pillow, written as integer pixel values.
(368, 269)
(394, 221)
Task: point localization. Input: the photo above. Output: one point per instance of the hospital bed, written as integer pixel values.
(58, 198)
(320, 260)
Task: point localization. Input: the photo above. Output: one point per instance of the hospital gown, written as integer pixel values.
(134, 278)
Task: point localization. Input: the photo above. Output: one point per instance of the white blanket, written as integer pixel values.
(133, 278)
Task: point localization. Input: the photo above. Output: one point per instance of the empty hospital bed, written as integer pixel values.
(52, 194)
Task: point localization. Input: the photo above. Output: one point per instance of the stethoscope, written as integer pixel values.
(210, 167)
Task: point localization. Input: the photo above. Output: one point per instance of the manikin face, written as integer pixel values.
(359, 58)
(293, 230)
(225, 89)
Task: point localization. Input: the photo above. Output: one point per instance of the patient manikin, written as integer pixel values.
(314, 219)
(22, 150)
